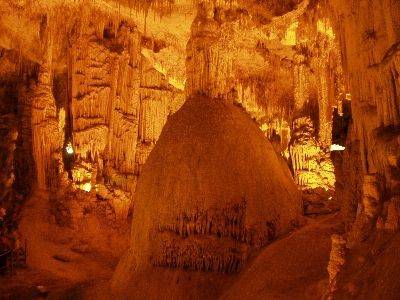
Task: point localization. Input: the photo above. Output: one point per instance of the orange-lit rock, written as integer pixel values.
(200, 207)
(336, 261)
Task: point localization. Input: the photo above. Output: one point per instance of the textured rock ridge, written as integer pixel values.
(87, 88)
(119, 102)
(369, 36)
(201, 206)
(111, 71)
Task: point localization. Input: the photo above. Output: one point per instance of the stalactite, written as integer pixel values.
(117, 96)
(154, 113)
(312, 168)
(227, 224)
(301, 82)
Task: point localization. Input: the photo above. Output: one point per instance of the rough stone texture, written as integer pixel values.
(268, 67)
(201, 206)
(119, 101)
(349, 185)
(369, 50)
(88, 86)
(337, 258)
(17, 74)
(393, 214)
(368, 32)
(8, 145)
(117, 74)
(312, 167)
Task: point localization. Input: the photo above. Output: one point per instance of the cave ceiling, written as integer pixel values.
(108, 75)
(241, 26)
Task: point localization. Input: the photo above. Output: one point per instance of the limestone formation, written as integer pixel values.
(217, 209)
(114, 77)
(312, 168)
(336, 261)
(118, 100)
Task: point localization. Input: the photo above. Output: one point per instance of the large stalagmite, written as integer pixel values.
(202, 209)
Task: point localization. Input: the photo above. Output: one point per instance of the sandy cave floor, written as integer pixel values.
(293, 267)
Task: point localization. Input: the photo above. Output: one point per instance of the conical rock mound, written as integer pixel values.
(211, 193)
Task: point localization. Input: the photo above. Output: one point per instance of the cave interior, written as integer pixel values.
(181, 149)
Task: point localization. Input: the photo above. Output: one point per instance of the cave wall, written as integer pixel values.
(110, 74)
(180, 229)
(290, 91)
(369, 38)
(368, 32)
(109, 91)
(17, 152)
(88, 87)
(119, 104)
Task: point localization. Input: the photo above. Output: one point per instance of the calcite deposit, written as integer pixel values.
(201, 206)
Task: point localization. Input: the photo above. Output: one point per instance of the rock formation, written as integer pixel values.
(369, 38)
(116, 80)
(201, 207)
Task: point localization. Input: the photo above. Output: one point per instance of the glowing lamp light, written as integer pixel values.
(87, 186)
(69, 148)
(335, 147)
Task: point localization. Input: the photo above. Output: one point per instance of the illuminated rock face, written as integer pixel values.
(311, 168)
(370, 35)
(119, 103)
(290, 92)
(370, 39)
(201, 206)
(114, 85)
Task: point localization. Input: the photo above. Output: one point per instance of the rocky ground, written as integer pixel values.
(63, 260)
(294, 267)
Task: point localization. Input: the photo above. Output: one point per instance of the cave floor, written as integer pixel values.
(51, 260)
(294, 267)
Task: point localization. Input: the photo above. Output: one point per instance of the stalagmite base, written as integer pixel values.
(201, 210)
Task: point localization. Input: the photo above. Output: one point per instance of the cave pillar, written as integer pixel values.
(301, 83)
(325, 104)
(47, 134)
(209, 61)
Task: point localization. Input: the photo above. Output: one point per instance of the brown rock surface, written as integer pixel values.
(200, 206)
(292, 267)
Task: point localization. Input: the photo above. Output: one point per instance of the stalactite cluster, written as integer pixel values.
(86, 86)
(46, 137)
(200, 256)
(117, 97)
(312, 168)
(228, 227)
(119, 101)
